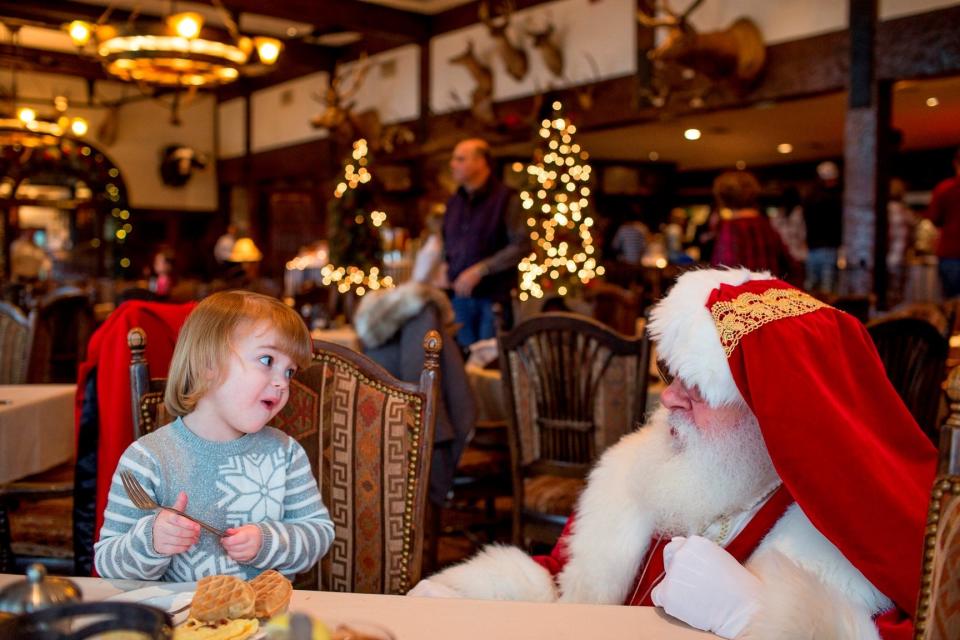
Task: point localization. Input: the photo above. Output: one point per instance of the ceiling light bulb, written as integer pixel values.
(654, 156)
(932, 101)
(79, 32)
(741, 165)
(784, 147)
(692, 134)
(268, 49)
(26, 115)
(79, 127)
(186, 25)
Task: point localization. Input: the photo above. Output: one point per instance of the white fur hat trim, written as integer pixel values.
(686, 335)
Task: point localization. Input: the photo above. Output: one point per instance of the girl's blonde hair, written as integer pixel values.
(204, 345)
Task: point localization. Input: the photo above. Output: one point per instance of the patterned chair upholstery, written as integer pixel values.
(369, 438)
(574, 387)
(15, 335)
(938, 610)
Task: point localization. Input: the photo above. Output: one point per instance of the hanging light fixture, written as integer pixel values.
(20, 124)
(175, 51)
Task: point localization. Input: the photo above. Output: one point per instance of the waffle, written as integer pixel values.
(222, 597)
(194, 629)
(273, 593)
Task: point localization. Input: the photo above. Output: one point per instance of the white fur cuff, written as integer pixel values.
(796, 605)
(500, 573)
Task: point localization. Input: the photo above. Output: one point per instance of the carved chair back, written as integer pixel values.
(938, 609)
(63, 325)
(15, 334)
(573, 387)
(914, 354)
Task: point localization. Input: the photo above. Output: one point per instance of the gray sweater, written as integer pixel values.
(262, 478)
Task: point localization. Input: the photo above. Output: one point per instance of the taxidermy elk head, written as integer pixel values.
(736, 53)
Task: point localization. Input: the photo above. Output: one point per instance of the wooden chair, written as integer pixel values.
(369, 438)
(574, 387)
(938, 608)
(914, 354)
(63, 325)
(614, 306)
(15, 337)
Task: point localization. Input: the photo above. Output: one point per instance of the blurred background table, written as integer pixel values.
(36, 428)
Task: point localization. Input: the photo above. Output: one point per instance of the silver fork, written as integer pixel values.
(142, 500)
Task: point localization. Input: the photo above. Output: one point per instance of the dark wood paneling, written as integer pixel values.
(926, 44)
(314, 159)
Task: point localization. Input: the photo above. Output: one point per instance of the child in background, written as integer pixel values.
(218, 461)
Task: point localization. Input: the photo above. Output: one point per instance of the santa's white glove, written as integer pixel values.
(706, 587)
(428, 589)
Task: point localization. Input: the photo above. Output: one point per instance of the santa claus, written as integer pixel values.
(779, 491)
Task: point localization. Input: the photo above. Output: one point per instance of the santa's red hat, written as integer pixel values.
(839, 436)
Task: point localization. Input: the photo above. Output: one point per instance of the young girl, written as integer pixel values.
(229, 376)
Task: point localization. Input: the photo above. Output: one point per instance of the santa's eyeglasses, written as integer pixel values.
(692, 391)
(664, 372)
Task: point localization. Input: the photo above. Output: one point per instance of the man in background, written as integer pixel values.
(483, 239)
(944, 212)
(823, 216)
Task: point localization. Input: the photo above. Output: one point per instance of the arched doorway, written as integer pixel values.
(69, 198)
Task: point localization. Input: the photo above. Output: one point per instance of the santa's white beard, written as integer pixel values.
(692, 479)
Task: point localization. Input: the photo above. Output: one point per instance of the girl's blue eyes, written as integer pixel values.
(267, 361)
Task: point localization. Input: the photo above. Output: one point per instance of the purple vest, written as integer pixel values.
(474, 228)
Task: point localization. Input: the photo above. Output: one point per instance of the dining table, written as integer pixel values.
(416, 618)
(36, 428)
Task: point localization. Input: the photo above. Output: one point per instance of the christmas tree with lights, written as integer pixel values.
(563, 258)
(353, 227)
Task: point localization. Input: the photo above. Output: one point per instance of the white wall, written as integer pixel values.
(231, 128)
(604, 29)
(280, 115)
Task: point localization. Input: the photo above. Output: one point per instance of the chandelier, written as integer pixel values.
(173, 51)
(20, 124)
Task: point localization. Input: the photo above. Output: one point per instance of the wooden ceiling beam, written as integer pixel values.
(399, 26)
(43, 61)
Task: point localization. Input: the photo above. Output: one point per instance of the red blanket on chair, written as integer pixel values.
(109, 354)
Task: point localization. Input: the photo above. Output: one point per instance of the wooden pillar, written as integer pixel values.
(866, 139)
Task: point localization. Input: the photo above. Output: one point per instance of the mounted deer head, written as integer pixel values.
(549, 49)
(338, 97)
(481, 101)
(735, 52)
(514, 57)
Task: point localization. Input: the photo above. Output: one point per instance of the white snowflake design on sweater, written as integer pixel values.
(251, 485)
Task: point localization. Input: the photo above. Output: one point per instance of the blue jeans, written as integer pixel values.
(821, 270)
(476, 316)
(950, 277)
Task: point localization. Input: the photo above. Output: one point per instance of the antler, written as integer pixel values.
(670, 20)
(359, 75)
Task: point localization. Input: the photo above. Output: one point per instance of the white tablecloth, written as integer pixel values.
(442, 619)
(36, 428)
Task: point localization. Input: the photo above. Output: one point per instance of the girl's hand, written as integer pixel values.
(242, 543)
(173, 534)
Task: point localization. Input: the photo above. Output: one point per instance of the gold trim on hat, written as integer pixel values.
(749, 311)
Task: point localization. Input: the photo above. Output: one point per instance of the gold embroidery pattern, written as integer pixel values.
(749, 311)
